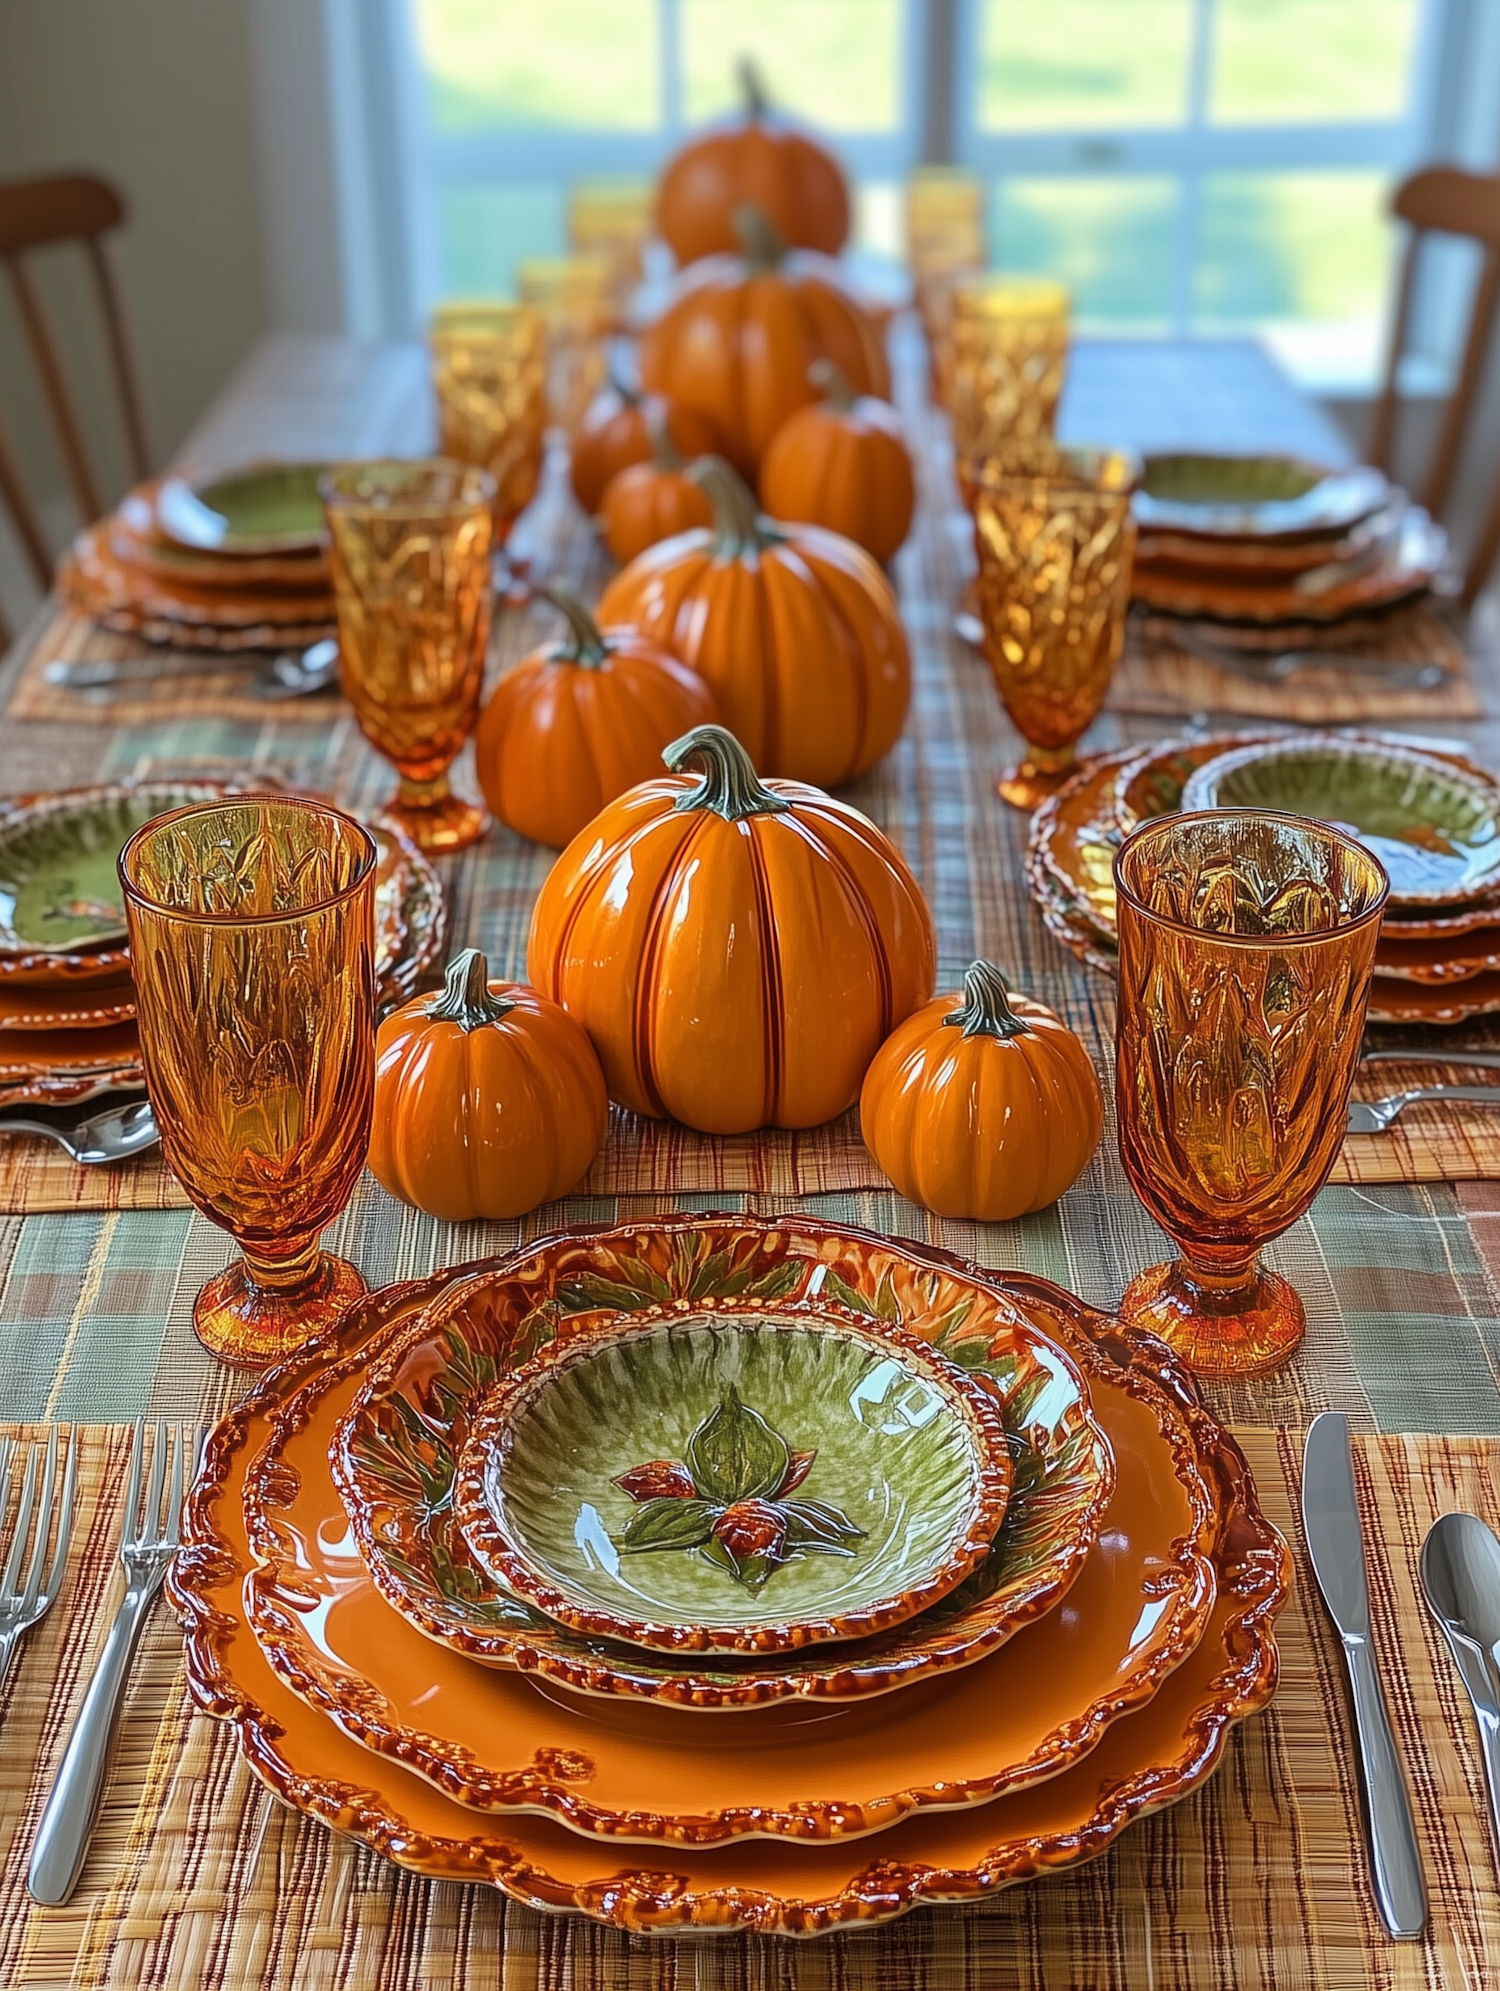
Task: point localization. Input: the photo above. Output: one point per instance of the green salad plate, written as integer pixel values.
(264, 508)
(1255, 497)
(1434, 825)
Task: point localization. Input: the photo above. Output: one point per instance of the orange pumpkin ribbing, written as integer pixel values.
(843, 464)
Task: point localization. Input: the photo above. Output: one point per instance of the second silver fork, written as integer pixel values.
(24, 1603)
(147, 1542)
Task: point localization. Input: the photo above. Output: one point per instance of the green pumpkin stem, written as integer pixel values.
(737, 527)
(752, 89)
(467, 999)
(833, 384)
(759, 238)
(585, 646)
(665, 454)
(730, 785)
(985, 1010)
(630, 396)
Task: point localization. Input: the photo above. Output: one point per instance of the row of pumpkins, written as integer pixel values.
(725, 944)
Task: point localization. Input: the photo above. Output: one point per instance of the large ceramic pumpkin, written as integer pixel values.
(796, 630)
(736, 343)
(982, 1105)
(649, 502)
(787, 174)
(616, 432)
(488, 1099)
(841, 463)
(735, 949)
(578, 722)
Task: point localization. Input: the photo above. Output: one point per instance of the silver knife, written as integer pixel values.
(1335, 1541)
(1484, 1060)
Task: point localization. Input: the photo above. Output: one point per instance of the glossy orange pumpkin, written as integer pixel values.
(841, 463)
(649, 502)
(796, 630)
(488, 1099)
(736, 949)
(616, 432)
(786, 173)
(578, 722)
(982, 1105)
(736, 343)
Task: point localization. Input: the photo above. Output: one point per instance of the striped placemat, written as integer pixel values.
(197, 1879)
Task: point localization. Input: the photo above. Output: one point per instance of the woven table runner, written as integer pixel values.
(197, 1880)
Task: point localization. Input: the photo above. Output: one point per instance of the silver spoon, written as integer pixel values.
(1276, 667)
(291, 675)
(1461, 1582)
(106, 1137)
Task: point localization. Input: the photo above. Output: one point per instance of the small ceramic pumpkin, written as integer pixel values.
(736, 949)
(578, 722)
(760, 159)
(842, 464)
(488, 1099)
(646, 503)
(735, 344)
(796, 630)
(984, 1105)
(616, 432)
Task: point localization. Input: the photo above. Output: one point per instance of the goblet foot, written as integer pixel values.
(445, 823)
(1028, 784)
(249, 1326)
(1236, 1330)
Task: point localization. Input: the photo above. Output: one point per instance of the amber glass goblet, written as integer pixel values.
(612, 219)
(572, 293)
(1010, 352)
(1056, 540)
(409, 545)
(1246, 946)
(252, 940)
(489, 371)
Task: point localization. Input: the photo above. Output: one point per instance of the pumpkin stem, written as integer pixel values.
(664, 452)
(833, 384)
(752, 88)
(631, 396)
(585, 646)
(730, 785)
(759, 238)
(737, 528)
(466, 999)
(985, 1010)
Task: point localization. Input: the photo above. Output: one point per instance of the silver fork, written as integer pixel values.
(23, 1604)
(147, 1542)
(1376, 1116)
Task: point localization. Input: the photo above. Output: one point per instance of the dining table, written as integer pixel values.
(197, 1877)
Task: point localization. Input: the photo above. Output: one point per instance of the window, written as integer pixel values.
(1186, 166)
(1205, 165)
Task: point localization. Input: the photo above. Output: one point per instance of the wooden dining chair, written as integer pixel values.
(1442, 200)
(38, 214)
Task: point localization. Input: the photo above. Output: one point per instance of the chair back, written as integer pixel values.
(1444, 200)
(36, 214)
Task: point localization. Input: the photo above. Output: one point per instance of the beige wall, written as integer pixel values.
(156, 95)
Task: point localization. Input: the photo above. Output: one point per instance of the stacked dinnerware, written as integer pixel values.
(1433, 819)
(709, 1574)
(1262, 550)
(227, 562)
(67, 1002)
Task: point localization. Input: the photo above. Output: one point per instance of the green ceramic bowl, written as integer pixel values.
(1254, 497)
(735, 1482)
(265, 508)
(1434, 827)
(59, 888)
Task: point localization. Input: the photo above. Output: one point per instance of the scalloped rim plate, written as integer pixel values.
(1153, 1759)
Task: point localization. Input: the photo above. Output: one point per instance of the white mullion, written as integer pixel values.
(673, 110)
(1187, 233)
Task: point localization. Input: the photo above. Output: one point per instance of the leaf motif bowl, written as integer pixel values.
(740, 1481)
(395, 1450)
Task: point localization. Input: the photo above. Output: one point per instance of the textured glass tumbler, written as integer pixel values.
(251, 945)
(1055, 537)
(489, 372)
(1009, 337)
(1246, 947)
(409, 545)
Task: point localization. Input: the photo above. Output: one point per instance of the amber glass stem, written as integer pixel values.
(424, 794)
(284, 1274)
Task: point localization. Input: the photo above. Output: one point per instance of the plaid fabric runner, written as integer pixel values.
(197, 1879)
